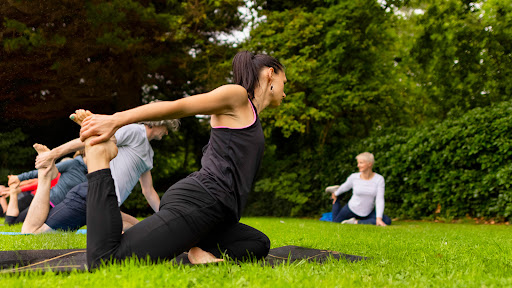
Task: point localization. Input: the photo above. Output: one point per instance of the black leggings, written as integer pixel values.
(188, 217)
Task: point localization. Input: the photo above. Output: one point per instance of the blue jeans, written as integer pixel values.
(70, 214)
(339, 214)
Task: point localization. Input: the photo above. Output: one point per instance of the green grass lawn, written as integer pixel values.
(406, 254)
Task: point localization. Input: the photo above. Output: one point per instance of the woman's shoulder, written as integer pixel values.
(234, 95)
(378, 177)
(355, 175)
(233, 89)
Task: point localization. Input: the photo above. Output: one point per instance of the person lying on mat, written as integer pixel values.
(367, 194)
(133, 164)
(199, 214)
(71, 173)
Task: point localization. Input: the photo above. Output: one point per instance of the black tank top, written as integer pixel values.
(230, 162)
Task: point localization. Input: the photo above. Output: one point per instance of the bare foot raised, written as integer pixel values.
(79, 116)
(49, 171)
(14, 191)
(99, 155)
(197, 255)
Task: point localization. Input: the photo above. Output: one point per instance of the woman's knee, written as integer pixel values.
(265, 246)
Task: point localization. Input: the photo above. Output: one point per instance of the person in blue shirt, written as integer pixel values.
(72, 172)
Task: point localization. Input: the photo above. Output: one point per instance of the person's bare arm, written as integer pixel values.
(4, 191)
(146, 183)
(224, 100)
(3, 204)
(28, 182)
(12, 208)
(44, 159)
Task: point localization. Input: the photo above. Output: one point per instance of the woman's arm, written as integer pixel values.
(342, 189)
(28, 175)
(345, 186)
(224, 100)
(61, 167)
(44, 159)
(379, 202)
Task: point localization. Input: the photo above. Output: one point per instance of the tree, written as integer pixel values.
(107, 56)
(463, 55)
(57, 56)
(340, 62)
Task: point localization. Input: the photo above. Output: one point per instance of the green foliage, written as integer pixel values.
(462, 54)
(356, 69)
(451, 169)
(339, 60)
(360, 69)
(461, 165)
(15, 154)
(26, 38)
(97, 54)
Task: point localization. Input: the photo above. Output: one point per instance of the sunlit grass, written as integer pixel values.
(406, 254)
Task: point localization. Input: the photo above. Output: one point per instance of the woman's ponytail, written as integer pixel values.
(246, 68)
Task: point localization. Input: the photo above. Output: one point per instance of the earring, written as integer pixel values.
(271, 88)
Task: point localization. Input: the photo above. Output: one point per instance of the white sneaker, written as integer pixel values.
(350, 221)
(332, 189)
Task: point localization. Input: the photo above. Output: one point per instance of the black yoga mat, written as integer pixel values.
(75, 259)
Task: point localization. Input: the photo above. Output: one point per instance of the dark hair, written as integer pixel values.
(246, 68)
(171, 124)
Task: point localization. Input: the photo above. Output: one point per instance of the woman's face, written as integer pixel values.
(278, 81)
(364, 166)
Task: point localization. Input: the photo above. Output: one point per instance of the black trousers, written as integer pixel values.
(189, 216)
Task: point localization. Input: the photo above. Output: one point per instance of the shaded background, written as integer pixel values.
(362, 75)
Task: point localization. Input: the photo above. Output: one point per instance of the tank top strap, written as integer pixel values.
(253, 108)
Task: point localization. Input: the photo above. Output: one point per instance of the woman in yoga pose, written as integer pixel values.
(366, 206)
(72, 172)
(200, 213)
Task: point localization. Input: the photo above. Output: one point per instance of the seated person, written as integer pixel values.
(133, 163)
(20, 196)
(72, 173)
(367, 194)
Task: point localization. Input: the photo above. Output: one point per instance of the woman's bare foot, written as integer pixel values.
(79, 116)
(51, 171)
(197, 255)
(99, 155)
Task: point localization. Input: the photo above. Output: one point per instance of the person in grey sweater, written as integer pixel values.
(366, 206)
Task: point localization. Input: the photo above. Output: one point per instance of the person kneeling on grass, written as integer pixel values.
(199, 214)
(367, 194)
(134, 163)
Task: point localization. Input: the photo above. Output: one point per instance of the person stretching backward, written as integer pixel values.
(199, 214)
(367, 194)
